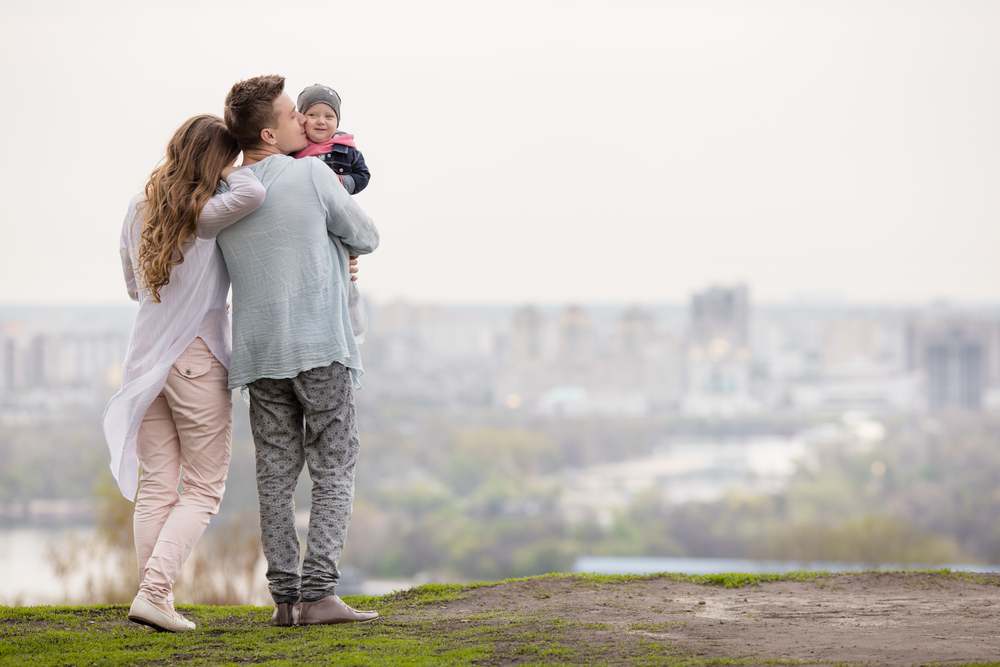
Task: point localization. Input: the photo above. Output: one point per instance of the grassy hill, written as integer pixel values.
(800, 618)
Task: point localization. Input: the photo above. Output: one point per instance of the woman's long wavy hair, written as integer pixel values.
(177, 191)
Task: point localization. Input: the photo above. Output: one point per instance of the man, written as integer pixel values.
(294, 348)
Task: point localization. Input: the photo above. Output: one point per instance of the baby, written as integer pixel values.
(321, 107)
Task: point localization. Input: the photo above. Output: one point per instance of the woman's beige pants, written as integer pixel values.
(189, 428)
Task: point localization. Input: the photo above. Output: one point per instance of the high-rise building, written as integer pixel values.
(635, 332)
(720, 313)
(8, 367)
(957, 359)
(527, 336)
(645, 361)
(719, 365)
(576, 335)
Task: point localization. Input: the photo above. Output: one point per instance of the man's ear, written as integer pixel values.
(267, 135)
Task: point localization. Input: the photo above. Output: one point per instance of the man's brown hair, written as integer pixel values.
(250, 108)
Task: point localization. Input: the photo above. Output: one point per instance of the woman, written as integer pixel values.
(174, 412)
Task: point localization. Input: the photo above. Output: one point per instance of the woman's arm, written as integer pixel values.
(246, 194)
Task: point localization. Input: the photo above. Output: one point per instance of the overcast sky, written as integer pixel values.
(544, 151)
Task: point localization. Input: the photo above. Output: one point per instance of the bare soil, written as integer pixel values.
(879, 618)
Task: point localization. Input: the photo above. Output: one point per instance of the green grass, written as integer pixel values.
(416, 628)
(226, 636)
(239, 636)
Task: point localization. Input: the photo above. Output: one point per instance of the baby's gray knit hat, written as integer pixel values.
(317, 93)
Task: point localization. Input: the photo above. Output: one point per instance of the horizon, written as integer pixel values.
(791, 303)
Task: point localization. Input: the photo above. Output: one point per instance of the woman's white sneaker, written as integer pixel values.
(146, 613)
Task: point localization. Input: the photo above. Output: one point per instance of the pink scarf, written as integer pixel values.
(343, 139)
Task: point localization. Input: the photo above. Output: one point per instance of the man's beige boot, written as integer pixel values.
(329, 610)
(284, 614)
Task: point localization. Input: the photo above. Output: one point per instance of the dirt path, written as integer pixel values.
(886, 618)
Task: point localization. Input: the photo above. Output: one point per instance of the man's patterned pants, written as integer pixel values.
(305, 420)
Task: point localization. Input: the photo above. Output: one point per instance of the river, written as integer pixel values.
(27, 577)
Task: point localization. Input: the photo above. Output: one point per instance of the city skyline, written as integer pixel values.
(719, 356)
(548, 152)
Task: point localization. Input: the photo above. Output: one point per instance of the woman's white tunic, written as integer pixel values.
(192, 305)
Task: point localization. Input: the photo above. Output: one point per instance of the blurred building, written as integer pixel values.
(957, 359)
(45, 368)
(522, 377)
(429, 354)
(851, 341)
(719, 364)
(576, 334)
(580, 361)
(721, 313)
(33, 359)
(527, 336)
(646, 360)
(859, 365)
(577, 362)
(874, 392)
(635, 331)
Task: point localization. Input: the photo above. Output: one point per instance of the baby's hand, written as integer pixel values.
(354, 267)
